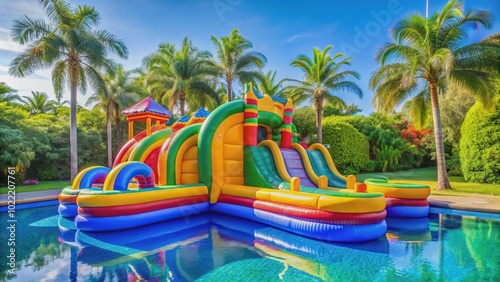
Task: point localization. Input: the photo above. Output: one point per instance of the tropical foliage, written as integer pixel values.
(180, 75)
(427, 66)
(7, 93)
(268, 85)
(118, 94)
(235, 61)
(340, 110)
(323, 79)
(38, 145)
(431, 53)
(72, 46)
(39, 103)
(304, 120)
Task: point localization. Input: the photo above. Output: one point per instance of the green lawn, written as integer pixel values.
(428, 176)
(42, 185)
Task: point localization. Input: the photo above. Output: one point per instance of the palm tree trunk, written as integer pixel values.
(118, 126)
(116, 116)
(319, 116)
(229, 91)
(443, 182)
(182, 101)
(73, 142)
(109, 136)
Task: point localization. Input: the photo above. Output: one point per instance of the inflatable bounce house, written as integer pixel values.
(243, 160)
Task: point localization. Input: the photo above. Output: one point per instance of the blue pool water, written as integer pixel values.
(212, 247)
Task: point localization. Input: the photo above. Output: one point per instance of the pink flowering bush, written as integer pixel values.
(30, 182)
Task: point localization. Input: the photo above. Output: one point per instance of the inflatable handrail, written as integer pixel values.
(308, 167)
(280, 163)
(85, 178)
(328, 158)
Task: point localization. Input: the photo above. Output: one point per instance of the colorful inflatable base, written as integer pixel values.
(68, 210)
(315, 230)
(409, 208)
(140, 219)
(408, 211)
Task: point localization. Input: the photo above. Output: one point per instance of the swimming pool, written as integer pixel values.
(213, 247)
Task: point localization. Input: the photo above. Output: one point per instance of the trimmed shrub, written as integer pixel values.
(361, 123)
(349, 147)
(480, 145)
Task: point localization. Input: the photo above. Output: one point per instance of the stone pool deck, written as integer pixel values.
(30, 197)
(468, 202)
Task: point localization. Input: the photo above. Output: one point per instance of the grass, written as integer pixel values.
(428, 176)
(42, 185)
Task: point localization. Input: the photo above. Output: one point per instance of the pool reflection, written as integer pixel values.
(210, 246)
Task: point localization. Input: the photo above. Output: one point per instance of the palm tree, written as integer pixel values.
(72, 45)
(175, 74)
(39, 103)
(322, 78)
(236, 62)
(7, 93)
(59, 101)
(428, 55)
(119, 93)
(268, 86)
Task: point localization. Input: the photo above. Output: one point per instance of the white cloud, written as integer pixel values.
(10, 11)
(6, 42)
(14, 9)
(302, 35)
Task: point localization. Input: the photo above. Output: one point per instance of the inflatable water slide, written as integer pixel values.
(242, 160)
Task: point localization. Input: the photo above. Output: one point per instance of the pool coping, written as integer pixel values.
(31, 197)
(474, 202)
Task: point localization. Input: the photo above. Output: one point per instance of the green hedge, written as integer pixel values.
(349, 148)
(480, 145)
(361, 123)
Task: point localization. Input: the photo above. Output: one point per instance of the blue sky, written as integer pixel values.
(281, 30)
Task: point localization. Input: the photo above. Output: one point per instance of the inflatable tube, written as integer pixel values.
(307, 214)
(98, 198)
(315, 230)
(121, 175)
(393, 202)
(67, 199)
(136, 220)
(85, 178)
(140, 208)
(95, 175)
(125, 150)
(68, 210)
(397, 190)
(408, 211)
